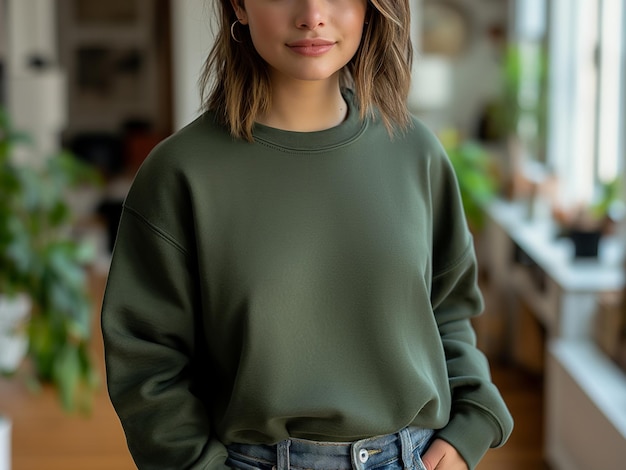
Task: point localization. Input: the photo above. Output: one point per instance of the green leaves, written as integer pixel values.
(40, 257)
(609, 194)
(63, 359)
(9, 137)
(472, 166)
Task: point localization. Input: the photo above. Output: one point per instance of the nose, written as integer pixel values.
(311, 14)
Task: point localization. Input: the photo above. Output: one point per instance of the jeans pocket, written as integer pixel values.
(418, 464)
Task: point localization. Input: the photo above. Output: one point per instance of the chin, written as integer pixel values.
(312, 76)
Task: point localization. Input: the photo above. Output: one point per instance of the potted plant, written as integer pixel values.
(43, 270)
(586, 224)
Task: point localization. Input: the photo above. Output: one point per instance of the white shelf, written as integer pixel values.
(602, 381)
(537, 238)
(586, 408)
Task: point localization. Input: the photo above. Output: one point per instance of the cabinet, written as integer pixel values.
(586, 408)
(585, 393)
(527, 260)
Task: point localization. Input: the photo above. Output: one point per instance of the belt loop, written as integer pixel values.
(407, 448)
(282, 455)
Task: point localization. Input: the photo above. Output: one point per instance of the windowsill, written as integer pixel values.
(555, 255)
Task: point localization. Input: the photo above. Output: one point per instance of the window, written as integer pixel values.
(527, 65)
(610, 94)
(586, 89)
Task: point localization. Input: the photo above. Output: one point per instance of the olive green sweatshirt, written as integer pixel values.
(313, 285)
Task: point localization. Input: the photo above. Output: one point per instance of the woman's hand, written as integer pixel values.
(443, 456)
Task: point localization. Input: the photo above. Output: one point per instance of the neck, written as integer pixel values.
(305, 106)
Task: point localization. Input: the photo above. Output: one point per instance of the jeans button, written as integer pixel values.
(364, 455)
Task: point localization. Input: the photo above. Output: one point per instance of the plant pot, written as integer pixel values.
(586, 243)
(14, 312)
(5, 443)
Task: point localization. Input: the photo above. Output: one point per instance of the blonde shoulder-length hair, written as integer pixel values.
(235, 83)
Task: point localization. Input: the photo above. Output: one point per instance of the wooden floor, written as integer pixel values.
(46, 438)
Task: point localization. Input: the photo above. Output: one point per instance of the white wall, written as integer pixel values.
(36, 99)
(474, 77)
(31, 28)
(3, 31)
(416, 24)
(191, 41)
(477, 74)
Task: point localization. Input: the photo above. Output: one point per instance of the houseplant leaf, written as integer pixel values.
(40, 257)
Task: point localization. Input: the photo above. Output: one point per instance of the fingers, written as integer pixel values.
(433, 456)
(443, 456)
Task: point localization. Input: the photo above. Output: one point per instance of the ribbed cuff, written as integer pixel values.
(471, 433)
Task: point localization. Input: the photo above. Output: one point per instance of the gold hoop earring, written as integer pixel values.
(232, 31)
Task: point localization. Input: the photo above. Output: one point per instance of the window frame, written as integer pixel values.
(577, 144)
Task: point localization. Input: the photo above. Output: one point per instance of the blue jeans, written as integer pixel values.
(398, 451)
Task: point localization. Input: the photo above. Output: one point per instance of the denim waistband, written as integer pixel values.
(306, 454)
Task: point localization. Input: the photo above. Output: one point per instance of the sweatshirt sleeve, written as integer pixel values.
(479, 418)
(150, 329)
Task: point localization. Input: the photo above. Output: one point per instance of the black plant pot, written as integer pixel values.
(586, 242)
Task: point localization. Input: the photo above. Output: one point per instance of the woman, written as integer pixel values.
(293, 278)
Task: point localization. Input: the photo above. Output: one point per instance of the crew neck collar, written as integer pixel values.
(317, 141)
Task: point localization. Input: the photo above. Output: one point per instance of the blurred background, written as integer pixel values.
(527, 96)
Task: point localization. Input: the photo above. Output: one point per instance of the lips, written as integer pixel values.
(311, 47)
